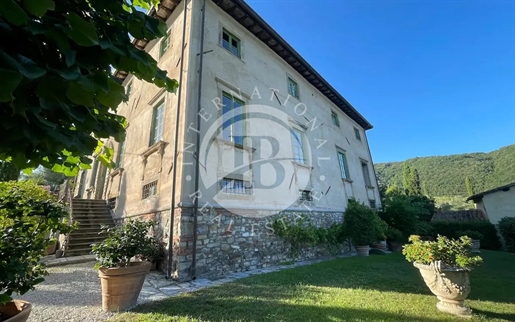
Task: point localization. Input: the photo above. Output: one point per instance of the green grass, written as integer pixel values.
(375, 288)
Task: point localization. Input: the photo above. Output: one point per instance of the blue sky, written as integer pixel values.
(433, 77)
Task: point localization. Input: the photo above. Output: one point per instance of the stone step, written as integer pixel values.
(91, 216)
(80, 244)
(81, 239)
(89, 200)
(77, 252)
(91, 221)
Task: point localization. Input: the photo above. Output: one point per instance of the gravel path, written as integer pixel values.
(69, 293)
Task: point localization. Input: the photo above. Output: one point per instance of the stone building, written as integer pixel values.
(253, 134)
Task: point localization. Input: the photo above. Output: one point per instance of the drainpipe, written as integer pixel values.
(176, 146)
(197, 150)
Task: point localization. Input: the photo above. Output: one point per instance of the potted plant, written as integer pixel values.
(475, 236)
(121, 274)
(444, 265)
(28, 214)
(382, 227)
(361, 225)
(395, 239)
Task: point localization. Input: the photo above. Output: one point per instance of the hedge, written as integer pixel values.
(452, 228)
(507, 230)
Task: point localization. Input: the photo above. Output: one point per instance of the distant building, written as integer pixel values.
(276, 140)
(496, 203)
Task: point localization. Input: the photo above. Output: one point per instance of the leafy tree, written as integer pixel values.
(59, 97)
(8, 171)
(468, 186)
(44, 176)
(444, 175)
(411, 181)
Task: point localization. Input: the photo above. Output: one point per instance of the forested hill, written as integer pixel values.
(445, 175)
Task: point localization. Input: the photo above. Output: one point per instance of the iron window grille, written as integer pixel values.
(236, 187)
(150, 189)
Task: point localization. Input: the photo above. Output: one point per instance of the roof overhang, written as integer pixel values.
(479, 196)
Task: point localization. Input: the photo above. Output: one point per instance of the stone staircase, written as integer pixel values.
(90, 214)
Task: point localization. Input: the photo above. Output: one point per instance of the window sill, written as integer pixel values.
(235, 145)
(370, 187)
(347, 180)
(295, 163)
(157, 147)
(231, 53)
(115, 172)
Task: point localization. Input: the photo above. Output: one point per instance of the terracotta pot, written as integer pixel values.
(121, 285)
(396, 247)
(380, 245)
(16, 310)
(476, 244)
(450, 285)
(362, 250)
(50, 249)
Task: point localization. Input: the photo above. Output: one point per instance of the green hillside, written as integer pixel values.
(445, 175)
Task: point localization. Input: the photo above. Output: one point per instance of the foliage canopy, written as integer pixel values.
(58, 95)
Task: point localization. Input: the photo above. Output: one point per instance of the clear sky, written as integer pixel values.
(433, 77)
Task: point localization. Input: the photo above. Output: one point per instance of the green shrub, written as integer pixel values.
(507, 230)
(401, 214)
(362, 224)
(475, 235)
(303, 233)
(28, 214)
(394, 235)
(450, 229)
(450, 252)
(131, 239)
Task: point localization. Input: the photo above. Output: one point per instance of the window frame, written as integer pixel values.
(302, 145)
(372, 203)
(305, 195)
(366, 174)
(289, 81)
(245, 189)
(128, 89)
(153, 138)
(120, 153)
(334, 118)
(164, 44)
(242, 103)
(357, 134)
(344, 168)
(151, 186)
(231, 37)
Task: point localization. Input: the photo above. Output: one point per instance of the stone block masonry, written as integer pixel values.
(228, 243)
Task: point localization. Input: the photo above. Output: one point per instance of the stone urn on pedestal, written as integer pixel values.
(445, 265)
(450, 285)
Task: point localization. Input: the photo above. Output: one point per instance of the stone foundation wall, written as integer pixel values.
(231, 243)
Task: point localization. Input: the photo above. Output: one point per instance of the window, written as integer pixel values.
(111, 203)
(298, 147)
(128, 89)
(150, 189)
(236, 187)
(164, 45)
(119, 155)
(233, 118)
(358, 135)
(293, 88)
(334, 118)
(156, 132)
(231, 43)
(342, 161)
(366, 174)
(372, 203)
(305, 195)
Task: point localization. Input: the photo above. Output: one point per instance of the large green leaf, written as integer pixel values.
(10, 80)
(13, 13)
(114, 96)
(82, 32)
(38, 7)
(80, 95)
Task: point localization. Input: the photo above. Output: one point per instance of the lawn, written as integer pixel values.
(375, 288)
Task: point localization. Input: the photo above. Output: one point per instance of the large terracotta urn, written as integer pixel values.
(15, 311)
(121, 285)
(450, 285)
